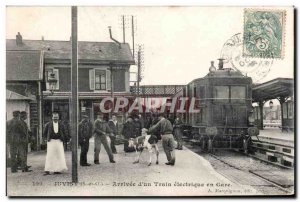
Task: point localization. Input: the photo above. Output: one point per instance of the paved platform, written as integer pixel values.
(191, 176)
(276, 136)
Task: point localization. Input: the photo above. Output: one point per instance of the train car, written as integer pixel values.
(225, 119)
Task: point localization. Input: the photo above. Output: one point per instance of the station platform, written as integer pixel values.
(273, 145)
(192, 175)
(276, 136)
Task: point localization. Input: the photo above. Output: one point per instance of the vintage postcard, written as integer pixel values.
(150, 101)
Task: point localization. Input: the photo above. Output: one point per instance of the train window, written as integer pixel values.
(290, 105)
(201, 93)
(221, 92)
(284, 110)
(238, 94)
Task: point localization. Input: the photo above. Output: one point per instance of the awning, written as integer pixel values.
(10, 95)
(279, 87)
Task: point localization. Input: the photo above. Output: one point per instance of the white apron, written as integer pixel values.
(55, 158)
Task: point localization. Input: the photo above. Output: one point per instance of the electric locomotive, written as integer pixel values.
(225, 118)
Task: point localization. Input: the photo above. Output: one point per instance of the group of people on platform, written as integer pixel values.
(106, 132)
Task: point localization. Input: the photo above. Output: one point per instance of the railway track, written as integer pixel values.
(267, 178)
(269, 182)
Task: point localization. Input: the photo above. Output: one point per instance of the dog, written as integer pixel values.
(145, 141)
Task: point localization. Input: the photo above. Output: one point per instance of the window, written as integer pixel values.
(221, 92)
(56, 73)
(284, 110)
(100, 79)
(232, 93)
(290, 105)
(238, 93)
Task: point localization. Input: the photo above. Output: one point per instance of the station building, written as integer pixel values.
(103, 70)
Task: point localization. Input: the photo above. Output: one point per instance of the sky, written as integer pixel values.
(178, 42)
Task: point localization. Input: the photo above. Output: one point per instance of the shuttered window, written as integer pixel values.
(100, 79)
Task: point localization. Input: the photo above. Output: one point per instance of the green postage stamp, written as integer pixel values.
(264, 33)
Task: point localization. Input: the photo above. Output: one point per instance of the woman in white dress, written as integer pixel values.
(55, 158)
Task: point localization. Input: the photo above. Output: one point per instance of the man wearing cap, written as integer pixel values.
(85, 132)
(24, 143)
(102, 131)
(165, 128)
(13, 134)
(54, 133)
(114, 126)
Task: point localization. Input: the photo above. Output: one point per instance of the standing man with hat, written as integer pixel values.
(54, 133)
(14, 130)
(102, 131)
(24, 143)
(165, 128)
(85, 132)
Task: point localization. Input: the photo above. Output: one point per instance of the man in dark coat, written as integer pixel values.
(102, 132)
(24, 143)
(128, 132)
(114, 127)
(148, 122)
(178, 132)
(165, 128)
(14, 133)
(85, 132)
(67, 128)
(138, 126)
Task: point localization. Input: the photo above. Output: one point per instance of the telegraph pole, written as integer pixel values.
(139, 71)
(74, 100)
(123, 21)
(132, 33)
(112, 88)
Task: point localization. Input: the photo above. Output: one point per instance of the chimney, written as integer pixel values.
(19, 41)
(221, 63)
(111, 37)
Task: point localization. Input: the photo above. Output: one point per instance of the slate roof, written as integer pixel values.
(97, 51)
(24, 65)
